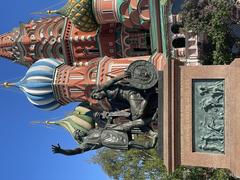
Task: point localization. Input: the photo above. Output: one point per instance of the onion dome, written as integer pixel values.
(80, 13)
(77, 124)
(37, 84)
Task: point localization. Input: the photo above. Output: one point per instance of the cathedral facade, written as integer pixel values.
(83, 45)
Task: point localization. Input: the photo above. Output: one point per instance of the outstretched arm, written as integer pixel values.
(69, 152)
(58, 150)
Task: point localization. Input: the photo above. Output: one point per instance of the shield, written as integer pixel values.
(143, 74)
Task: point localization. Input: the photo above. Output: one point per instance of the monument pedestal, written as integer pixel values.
(201, 116)
(169, 113)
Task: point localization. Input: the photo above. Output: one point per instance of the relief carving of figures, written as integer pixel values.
(209, 115)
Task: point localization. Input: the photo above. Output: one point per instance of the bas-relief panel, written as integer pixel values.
(208, 115)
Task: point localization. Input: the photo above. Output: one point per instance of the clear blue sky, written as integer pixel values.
(25, 152)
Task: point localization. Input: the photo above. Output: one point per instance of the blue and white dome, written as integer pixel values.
(37, 84)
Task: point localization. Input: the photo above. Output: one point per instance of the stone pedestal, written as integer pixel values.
(201, 117)
(171, 114)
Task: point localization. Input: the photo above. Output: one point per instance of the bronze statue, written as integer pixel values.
(115, 137)
(81, 127)
(129, 96)
(121, 95)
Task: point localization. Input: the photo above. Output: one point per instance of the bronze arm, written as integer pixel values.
(69, 152)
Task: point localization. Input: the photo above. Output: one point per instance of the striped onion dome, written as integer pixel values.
(79, 121)
(37, 84)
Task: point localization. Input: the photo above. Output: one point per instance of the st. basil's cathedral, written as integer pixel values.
(86, 43)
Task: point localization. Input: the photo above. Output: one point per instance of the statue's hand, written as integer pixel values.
(57, 149)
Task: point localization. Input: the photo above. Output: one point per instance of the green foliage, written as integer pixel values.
(221, 174)
(197, 173)
(188, 173)
(132, 164)
(146, 164)
(212, 17)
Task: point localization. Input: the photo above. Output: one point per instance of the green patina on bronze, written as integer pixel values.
(208, 116)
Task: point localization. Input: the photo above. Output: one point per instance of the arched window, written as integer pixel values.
(93, 51)
(175, 28)
(178, 42)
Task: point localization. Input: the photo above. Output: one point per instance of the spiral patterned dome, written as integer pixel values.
(80, 13)
(37, 84)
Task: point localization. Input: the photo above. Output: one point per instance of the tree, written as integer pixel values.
(212, 17)
(132, 164)
(142, 164)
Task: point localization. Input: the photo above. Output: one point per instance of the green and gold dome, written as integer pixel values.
(80, 13)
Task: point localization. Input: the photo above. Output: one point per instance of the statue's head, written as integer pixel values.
(98, 94)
